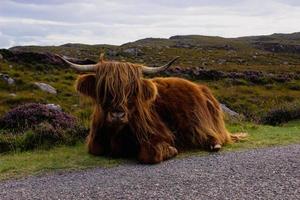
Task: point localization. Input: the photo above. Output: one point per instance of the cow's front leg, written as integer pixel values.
(156, 153)
(116, 146)
(95, 145)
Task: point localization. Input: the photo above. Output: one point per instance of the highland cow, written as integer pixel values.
(151, 119)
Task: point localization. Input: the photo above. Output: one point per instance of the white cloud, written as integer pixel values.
(116, 22)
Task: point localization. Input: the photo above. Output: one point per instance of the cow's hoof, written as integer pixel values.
(170, 153)
(173, 151)
(215, 147)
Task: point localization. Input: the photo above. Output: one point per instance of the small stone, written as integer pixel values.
(222, 61)
(10, 81)
(7, 79)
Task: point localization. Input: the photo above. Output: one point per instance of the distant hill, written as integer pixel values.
(265, 52)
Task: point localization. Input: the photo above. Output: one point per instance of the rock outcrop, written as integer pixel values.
(39, 58)
(278, 47)
(133, 52)
(31, 57)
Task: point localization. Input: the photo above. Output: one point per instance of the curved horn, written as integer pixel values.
(77, 67)
(153, 70)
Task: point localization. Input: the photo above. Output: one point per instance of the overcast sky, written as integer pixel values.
(55, 22)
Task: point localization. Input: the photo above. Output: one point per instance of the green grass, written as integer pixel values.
(259, 136)
(14, 165)
(266, 136)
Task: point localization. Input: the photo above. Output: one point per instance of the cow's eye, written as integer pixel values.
(130, 102)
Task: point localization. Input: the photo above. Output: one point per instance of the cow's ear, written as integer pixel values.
(86, 85)
(149, 90)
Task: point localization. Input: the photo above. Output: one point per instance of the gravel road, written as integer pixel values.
(271, 173)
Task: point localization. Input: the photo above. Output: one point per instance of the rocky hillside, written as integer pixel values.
(264, 53)
(251, 75)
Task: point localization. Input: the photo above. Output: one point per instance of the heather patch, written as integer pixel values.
(29, 115)
(283, 114)
(33, 125)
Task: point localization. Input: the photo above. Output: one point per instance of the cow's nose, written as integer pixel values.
(118, 115)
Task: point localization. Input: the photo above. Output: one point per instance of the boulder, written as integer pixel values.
(228, 110)
(46, 87)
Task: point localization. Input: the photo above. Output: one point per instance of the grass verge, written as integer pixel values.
(266, 136)
(14, 165)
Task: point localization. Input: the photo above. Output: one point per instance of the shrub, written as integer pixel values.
(281, 115)
(32, 126)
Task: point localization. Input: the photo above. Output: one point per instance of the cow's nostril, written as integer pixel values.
(121, 114)
(118, 114)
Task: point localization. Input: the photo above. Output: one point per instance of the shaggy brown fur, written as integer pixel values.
(162, 115)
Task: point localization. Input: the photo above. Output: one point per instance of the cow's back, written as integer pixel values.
(177, 103)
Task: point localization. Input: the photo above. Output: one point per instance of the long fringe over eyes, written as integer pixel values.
(116, 82)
